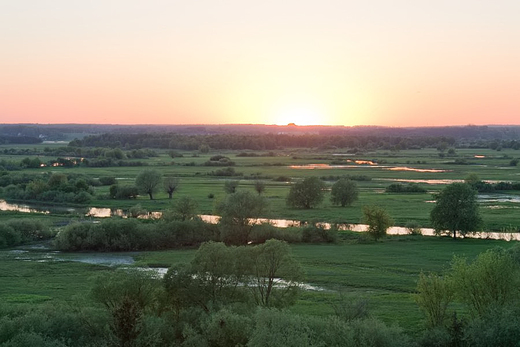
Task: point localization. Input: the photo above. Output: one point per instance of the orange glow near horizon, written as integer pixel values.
(306, 62)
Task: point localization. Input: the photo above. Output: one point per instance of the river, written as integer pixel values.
(101, 212)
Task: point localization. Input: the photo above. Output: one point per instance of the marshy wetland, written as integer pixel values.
(353, 267)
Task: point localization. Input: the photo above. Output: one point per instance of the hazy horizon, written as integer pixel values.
(377, 63)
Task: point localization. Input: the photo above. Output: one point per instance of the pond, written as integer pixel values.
(43, 253)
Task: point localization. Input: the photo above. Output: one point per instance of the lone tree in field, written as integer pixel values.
(148, 182)
(344, 192)
(171, 185)
(378, 221)
(259, 186)
(456, 209)
(307, 193)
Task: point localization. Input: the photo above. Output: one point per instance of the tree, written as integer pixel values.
(378, 221)
(344, 192)
(307, 193)
(275, 273)
(238, 213)
(148, 182)
(259, 186)
(185, 208)
(489, 283)
(456, 209)
(171, 185)
(435, 293)
(126, 296)
(472, 179)
(230, 186)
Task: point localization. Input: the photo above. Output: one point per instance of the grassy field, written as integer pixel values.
(498, 211)
(384, 273)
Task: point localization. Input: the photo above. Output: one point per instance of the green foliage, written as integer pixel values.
(225, 328)
(8, 236)
(137, 211)
(344, 192)
(184, 209)
(107, 180)
(14, 232)
(349, 310)
(378, 221)
(132, 235)
(495, 328)
(318, 233)
(230, 186)
(456, 209)
(263, 232)
(50, 325)
(266, 274)
(219, 270)
(490, 282)
(414, 228)
(472, 179)
(56, 187)
(148, 182)
(275, 329)
(401, 188)
(435, 293)
(279, 328)
(259, 186)
(126, 296)
(123, 192)
(306, 194)
(275, 274)
(171, 185)
(239, 213)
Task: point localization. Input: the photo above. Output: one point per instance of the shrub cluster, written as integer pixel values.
(15, 232)
(123, 192)
(226, 172)
(350, 177)
(133, 235)
(55, 187)
(401, 188)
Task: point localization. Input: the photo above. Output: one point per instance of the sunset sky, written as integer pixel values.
(340, 62)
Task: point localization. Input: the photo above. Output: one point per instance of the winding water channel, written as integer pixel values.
(100, 212)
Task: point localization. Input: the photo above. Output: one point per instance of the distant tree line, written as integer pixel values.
(254, 142)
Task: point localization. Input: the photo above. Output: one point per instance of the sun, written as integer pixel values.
(299, 115)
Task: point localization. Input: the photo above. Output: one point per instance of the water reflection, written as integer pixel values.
(404, 168)
(434, 181)
(281, 223)
(365, 163)
(5, 206)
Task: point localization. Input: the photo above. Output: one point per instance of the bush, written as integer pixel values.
(8, 236)
(30, 229)
(318, 234)
(107, 180)
(131, 235)
(263, 232)
(126, 192)
(401, 188)
(378, 221)
(413, 227)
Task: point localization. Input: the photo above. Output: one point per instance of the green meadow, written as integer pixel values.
(385, 273)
